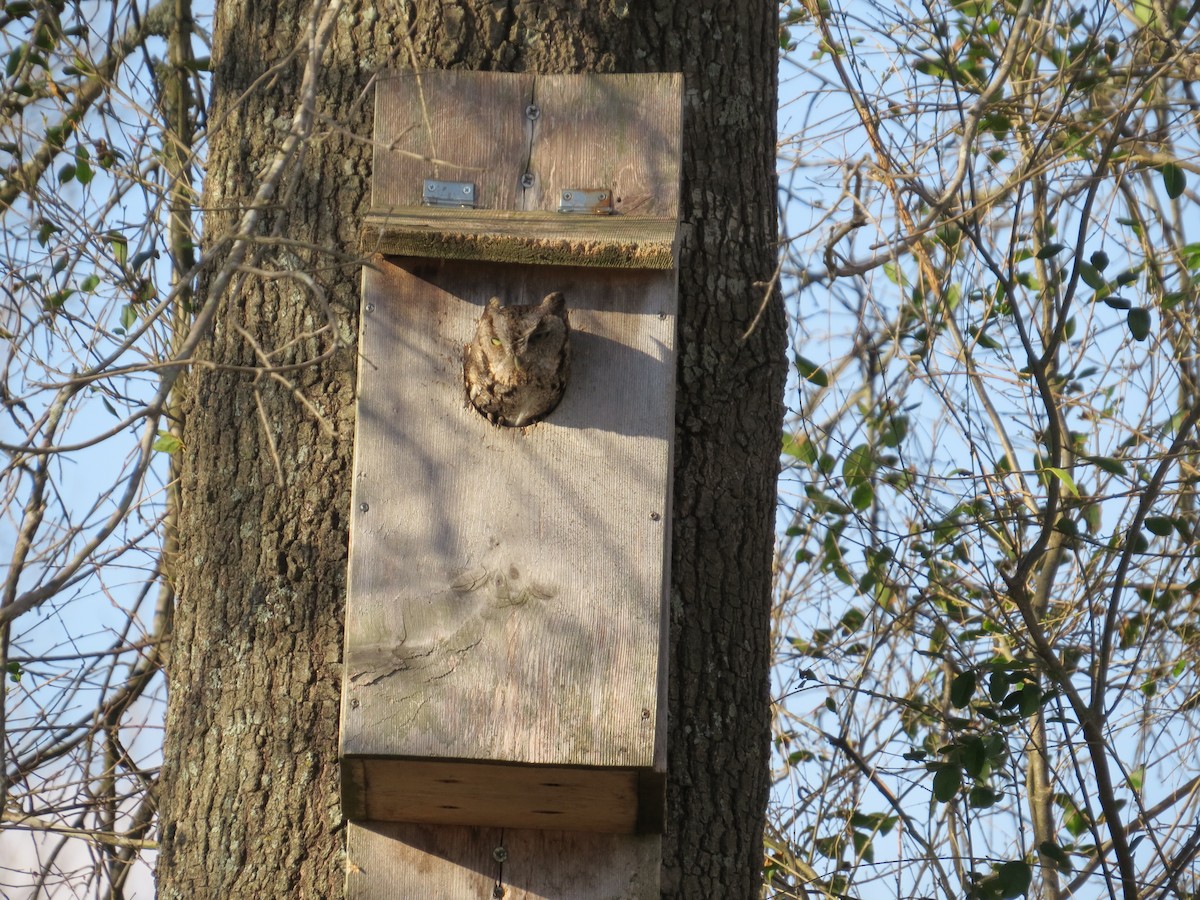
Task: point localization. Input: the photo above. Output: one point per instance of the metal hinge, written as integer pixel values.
(596, 203)
(448, 193)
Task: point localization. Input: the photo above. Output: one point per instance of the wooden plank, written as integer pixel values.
(539, 238)
(442, 792)
(617, 132)
(506, 588)
(506, 623)
(453, 126)
(385, 862)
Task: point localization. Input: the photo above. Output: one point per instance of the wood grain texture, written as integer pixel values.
(453, 126)
(439, 792)
(620, 132)
(536, 238)
(385, 862)
(506, 593)
(586, 132)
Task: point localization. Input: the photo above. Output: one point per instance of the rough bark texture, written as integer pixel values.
(249, 796)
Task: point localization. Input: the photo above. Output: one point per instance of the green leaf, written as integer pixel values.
(1051, 851)
(1031, 700)
(1108, 464)
(862, 497)
(1091, 276)
(811, 372)
(1051, 250)
(998, 686)
(1065, 477)
(46, 229)
(862, 846)
(962, 688)
(931, 67)
(1159, 525)
(167, 443)
(893, 431)
(120, 246)
(1138, 321)
(1115, 302)
(800, 447)
(1173, 179)
(56, 300)
(946, 783)
(1143, 11)
(983, 797)
(859, 466)
(1015, 877)
(1100, 260)
(128, 317)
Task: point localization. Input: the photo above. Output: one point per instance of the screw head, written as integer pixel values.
(527, 180)
(363, 507)
(500, 854)
(532, 111)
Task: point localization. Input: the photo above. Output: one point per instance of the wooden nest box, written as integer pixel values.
(505, 657)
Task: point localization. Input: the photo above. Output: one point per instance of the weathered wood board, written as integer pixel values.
(506, 595)
(386, 862)
(606, 800)
(506, 622)
(584, 131)
(522, 140)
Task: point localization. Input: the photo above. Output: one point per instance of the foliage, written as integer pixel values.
(988, 625)
(98, 137)
(988, 630)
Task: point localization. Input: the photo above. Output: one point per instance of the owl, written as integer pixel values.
(516, 368)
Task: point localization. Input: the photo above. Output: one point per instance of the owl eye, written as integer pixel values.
(496, 341)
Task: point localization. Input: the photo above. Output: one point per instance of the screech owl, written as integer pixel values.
(517, 366)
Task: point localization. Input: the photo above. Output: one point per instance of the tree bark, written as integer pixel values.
(249, 803)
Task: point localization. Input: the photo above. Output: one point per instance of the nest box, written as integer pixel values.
(505, 658)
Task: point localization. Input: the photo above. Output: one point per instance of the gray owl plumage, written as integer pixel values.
(517, 366)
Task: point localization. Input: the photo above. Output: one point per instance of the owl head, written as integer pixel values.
(516, 369)
(524, 342)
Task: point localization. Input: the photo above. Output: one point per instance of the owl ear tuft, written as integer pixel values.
(494, 303)
(554, 302)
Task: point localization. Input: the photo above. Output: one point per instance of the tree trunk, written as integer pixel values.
(249, 803)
